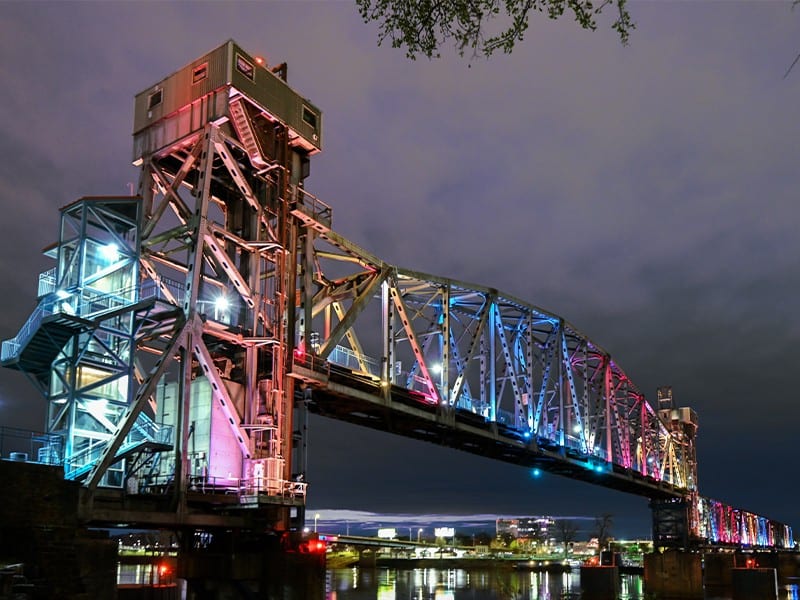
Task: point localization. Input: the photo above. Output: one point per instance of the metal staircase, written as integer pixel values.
(147, 436)
(247, 134)
(42, 337)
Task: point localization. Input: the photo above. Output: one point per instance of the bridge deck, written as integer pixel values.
(341, 394)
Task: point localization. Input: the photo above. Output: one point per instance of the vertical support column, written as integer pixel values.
(71, 399)
(182, 420)
(608, 386)
(754, 584)
(444, 375)
(561, 363)
(717, 567)
(145, 190)
(528, 387)
(587, 417)
(490, 331)
(194, 261)
(255, 272)
(387, 320)
(483, 382)
(645, 443)
(306, 287)
(788, 566)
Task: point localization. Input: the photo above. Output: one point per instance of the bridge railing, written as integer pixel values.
(247, 490)
(345, 357)
(311, 205)
(24, 445)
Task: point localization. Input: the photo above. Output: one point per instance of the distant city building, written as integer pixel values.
(530, 528)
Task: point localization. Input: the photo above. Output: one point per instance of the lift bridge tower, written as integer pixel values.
(161, 337)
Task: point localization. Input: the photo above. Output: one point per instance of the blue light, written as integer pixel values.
(526, 435)
(536, 473)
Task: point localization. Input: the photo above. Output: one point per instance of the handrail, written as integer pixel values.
(314, 206)
(56, 303)
(47, 282)
(247, 490)
(345, 357)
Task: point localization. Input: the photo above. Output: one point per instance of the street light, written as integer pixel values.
(316, 516)
(419, 532)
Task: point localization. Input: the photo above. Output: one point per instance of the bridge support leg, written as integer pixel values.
(673, 574)
(754, 584)
(600, 582)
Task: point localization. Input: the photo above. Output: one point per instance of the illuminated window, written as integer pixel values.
(154, 99)
(245, 67)
(199, 73)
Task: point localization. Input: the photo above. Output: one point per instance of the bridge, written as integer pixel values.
(184, 334)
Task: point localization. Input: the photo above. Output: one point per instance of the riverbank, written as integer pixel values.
(345, 560)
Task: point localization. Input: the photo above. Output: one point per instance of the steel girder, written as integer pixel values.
(217, 247)
(469, 348)
(527, 372)
(721, 524)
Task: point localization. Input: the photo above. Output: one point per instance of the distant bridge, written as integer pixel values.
(184, 332)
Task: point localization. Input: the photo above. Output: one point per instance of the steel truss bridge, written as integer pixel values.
(185, 332)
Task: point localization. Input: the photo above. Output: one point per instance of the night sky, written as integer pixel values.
(648, 194)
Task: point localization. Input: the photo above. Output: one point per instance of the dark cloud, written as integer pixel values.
(646, 193)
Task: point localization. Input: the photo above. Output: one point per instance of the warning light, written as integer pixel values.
(163, 570)
(312, 547)
(260, 60)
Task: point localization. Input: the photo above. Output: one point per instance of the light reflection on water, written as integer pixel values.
(458, 584)
(455, 584)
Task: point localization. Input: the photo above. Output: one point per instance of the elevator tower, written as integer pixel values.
(162, 336)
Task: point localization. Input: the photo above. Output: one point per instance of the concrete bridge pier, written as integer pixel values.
(367, 557)
(600, 582)
(251, 566)
(717, 567)
(788, 567)
(674, 574)
(785, 562)
(749, 575)
(754, 583)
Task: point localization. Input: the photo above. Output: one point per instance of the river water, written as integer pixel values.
(463, 584)
(434, 584)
